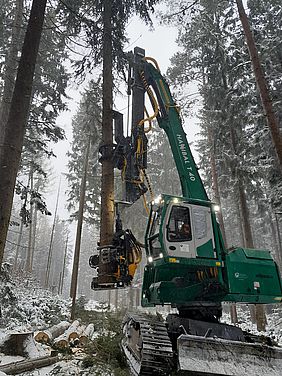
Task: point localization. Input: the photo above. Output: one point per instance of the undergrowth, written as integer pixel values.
(104, 348)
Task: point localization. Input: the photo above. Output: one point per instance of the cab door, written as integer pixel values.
(188, 231)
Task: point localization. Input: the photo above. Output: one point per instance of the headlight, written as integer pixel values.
(216, 208)
(157, 200)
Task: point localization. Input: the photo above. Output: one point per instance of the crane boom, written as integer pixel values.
(170, 121)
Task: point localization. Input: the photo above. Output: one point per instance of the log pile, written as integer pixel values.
(47, 336)
(64, 340)
(60, 337)
(63, 336)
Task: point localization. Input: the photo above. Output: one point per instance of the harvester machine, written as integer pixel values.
(188, 266)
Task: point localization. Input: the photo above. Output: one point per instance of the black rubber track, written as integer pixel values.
(155, 356)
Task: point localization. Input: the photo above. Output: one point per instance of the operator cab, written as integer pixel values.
(180, 228)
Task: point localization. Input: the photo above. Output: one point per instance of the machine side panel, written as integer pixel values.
(253, 276)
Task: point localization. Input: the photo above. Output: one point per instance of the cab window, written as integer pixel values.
(179, 225)
(155, 245)
(155, 223)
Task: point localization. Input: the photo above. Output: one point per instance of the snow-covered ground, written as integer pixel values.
(273, 327)
(25, 307)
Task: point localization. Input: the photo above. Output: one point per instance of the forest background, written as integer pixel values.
(212, 78)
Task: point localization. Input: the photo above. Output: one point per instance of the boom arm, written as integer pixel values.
(169, 119)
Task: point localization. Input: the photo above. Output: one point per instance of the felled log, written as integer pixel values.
(61, 342)
(75, 338)
(87, 334)
(77, 333)
(17, 368)
(48, 335)
(71, 333)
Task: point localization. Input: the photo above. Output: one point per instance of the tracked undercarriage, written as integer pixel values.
(147, 346)
(196, 348)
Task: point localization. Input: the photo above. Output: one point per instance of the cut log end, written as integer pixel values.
(42, 337)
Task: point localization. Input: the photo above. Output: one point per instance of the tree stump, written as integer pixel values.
(15, 344)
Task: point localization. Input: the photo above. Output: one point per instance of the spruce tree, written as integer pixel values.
(10, 149)
(86, 124)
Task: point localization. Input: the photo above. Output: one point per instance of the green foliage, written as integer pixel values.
(105, 349)
(215, 56)
(49, 84)
(6, 20)
(25, 304)
(32, 197)
(86, 124)
(49, 89)
(42, 247)
(86, 18)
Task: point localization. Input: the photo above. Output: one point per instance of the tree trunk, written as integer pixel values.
(247, 232)
(239, 220)
(70, 334)
(107, 187)
(245, 217)
(50, 251)
(64, 267)
(18, 246)
(29, 249)
(107, 183)
(75, 267)
(109, 299)
(252, 309)
(10, 149)
(278, 242)
(215, 186)
(138, 293)
(260, 317)
(131, 297)
(233, 313)
(34, 228)
(21, 231)
(11, 64)
(116, 299)
(248, 237)
(261, 83)
(18, 368)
